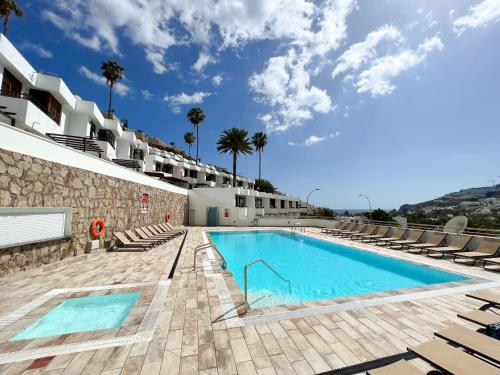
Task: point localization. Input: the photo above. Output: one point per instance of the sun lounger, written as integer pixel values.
(452, 360)
(457, 244)
(495, 261)
(396, 235)
(491, 299)
(366, 231)
(481, 318)
(357, 228)
(164, 229)
(474, 342)
(488, 248)
(161, 234)
(135, 238)
(146, 235)
(124, 242)
(412, 236)
(338, 225)
(380, 233)
(435, 239)
(349, 227)
(171, 227)
(153, 234)
(397, 368)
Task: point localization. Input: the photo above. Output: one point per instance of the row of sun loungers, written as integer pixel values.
(436, 244)
(145, 238)
(457, 349)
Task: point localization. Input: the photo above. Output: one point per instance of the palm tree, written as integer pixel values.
(6, 9)
(189, 138)
(259, 140)
(195, 117)
(113, 73)
(234, 141)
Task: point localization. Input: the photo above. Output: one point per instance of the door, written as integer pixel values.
(213, 216)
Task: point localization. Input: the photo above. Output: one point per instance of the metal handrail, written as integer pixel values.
(245, 272)
(206, 246)
(294, 227)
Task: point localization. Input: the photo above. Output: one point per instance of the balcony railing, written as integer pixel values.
(31, 99)
(106, 136)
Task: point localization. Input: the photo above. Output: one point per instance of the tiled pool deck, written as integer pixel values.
(189, 324)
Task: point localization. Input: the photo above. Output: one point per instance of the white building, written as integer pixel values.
(239, 206)
(43, 104)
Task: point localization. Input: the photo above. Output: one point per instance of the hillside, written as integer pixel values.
(481, 201)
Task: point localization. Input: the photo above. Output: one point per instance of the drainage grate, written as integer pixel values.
(174, 266)
(370, 365)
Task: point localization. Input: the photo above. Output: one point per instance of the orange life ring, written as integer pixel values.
(97, 228)
(167, 217)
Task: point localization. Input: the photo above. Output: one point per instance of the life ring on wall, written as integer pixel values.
(97, 228)
(167, 217)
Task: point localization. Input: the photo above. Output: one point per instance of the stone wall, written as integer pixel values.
(32, 182)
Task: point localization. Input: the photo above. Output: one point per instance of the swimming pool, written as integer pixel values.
(82, 314)
(317, 269)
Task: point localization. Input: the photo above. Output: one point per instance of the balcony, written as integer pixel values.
(136, 165)
(29, 115)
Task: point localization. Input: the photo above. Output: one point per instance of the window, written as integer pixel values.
(258, 203)
(11, 86)
(106, 136)
(290, 204)
(296, 204)
(158, 166)
(272, 203)
(210, 177)
(282, 204)
(226, 180)
(241, 201)
(93, 130)
(168, 168)
(186, 172)
(193, 173)
(240, 183)
(47, 103)
(138, 154)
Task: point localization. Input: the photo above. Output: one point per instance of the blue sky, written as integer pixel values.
(398, 100)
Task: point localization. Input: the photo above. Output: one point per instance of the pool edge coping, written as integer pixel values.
(331, 306)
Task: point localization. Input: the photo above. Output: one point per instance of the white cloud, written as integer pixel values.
(147, 95)
(217, 80)
(313, 139)
(38, 49)
(120, 88)
(203, 60)
(479, 15)
(157, 25)
(285, 83)
(176, 101)
(377, 79)
(359, 53)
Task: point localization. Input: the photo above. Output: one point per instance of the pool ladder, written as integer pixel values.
(297, 226)
(206, 246)
(245, 271)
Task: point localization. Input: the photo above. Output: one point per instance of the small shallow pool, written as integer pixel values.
(317, 269)
(82, 315)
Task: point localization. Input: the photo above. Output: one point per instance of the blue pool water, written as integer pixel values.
(82, 315)
(317, 269)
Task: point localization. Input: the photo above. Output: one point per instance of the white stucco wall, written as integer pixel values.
(29, 117)
(15, 62)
